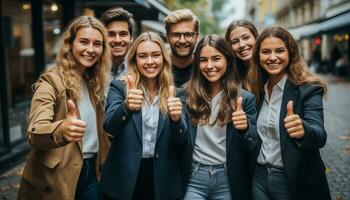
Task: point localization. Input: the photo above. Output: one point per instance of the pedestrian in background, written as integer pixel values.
(65, 132)
(290, 123)
(182, 31)
(242, 34)
(222, 118)
(148, 127)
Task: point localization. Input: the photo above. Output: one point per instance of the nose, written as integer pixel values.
(241, 43)
(182, 39)
(273, 57)
(117, 38)
(90, 48)
(210, 65)
(149, 60)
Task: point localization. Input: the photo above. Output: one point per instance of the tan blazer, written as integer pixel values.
(53, 166)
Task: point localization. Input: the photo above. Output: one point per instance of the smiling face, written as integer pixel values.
(212, 65)
(182, 47)
(119, 38)
(242, 42)
(149, 60)
(87, 47)
(274, 57)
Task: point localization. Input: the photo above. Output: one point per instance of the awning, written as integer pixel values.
(337, 23)
(154, 3)
(305, 31)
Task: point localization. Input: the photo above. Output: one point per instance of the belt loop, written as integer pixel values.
(225, 168)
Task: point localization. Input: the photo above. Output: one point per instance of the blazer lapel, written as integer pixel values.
(161, 121)
(289, 94)
(137, 118)
(229, 135)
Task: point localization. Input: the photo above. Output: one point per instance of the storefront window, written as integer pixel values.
(19, 63)
(52, 29)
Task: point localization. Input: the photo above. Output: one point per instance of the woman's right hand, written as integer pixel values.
(73, 128)
(134, 100)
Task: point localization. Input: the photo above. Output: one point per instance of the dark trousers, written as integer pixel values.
(270, 183)
(144, 189)
(87, 188)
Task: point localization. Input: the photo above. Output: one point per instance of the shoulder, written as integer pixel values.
(247, 95)
(50, 79)
(307, 90)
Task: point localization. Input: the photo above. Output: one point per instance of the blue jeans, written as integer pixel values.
(270, 183)
(87, 188)
(208, 182)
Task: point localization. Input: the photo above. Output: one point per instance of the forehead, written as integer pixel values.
(148, 46)
(208, 51)
(185, 26)
(89, 33)
(272, 42)
(118, 26)
(238, 31)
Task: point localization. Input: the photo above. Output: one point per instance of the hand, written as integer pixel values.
(239, 118)
(174, 105)
(134, 100)
(293, 123)
(73, 129)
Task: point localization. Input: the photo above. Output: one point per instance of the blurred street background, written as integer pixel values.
(30, 31)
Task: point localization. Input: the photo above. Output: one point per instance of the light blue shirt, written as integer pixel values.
(150, 115)
(268, 125)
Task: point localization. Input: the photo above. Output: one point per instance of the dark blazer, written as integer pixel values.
(302, 162)
(238, 148)
(121, 168)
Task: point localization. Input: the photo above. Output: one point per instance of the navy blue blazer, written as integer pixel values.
(120, 171)
(238, 148)
(303, 166)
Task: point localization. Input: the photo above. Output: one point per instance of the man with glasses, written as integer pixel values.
(182, 27)
(119, 24)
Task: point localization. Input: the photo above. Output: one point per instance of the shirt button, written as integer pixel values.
(33, 129)
(123, 118)
(180, 131)
(250, 140)
(157, 155)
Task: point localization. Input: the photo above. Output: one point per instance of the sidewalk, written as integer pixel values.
(9, 183)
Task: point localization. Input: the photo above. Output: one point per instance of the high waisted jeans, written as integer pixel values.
(208, 182)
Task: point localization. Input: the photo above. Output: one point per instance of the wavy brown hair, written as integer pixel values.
(198, 88)
(296, 70)
(66, 65)
(165, 77)
(247, 73)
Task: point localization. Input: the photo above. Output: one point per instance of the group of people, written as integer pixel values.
(234, 117)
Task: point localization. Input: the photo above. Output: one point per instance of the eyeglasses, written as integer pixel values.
(177, 35)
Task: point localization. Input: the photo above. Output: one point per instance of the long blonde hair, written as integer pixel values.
(165, 77)
(95, 76)
(296, 70)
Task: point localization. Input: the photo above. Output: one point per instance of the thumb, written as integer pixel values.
(171, 91)
(290, 108)
(72, 110)
(131, 82)
(239, 104)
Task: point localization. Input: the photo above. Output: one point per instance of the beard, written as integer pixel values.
(186, 54)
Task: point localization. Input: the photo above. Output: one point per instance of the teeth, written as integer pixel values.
(273, 65)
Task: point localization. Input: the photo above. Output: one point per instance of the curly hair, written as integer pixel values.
(95, 76)
(247, 73)
(165, 77)
(296, 70)
(199, 88)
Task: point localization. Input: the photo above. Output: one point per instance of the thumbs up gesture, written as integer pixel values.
(239, 118)
(174, 105)
(293, 123)
(134, 99)
(73, 129)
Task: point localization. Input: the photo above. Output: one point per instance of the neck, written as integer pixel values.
(273, 80)
(152, 88)
(181, 62)
(215, 89)
(117, 61)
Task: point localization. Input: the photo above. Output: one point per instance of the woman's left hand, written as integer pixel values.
(293, 123)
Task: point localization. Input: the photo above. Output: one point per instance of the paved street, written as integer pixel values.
(336, 153)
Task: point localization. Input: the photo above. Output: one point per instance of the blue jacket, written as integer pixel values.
(121, 168)
(238, 148)
(302, 162)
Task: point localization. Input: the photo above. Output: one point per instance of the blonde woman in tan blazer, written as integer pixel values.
(65, 130)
